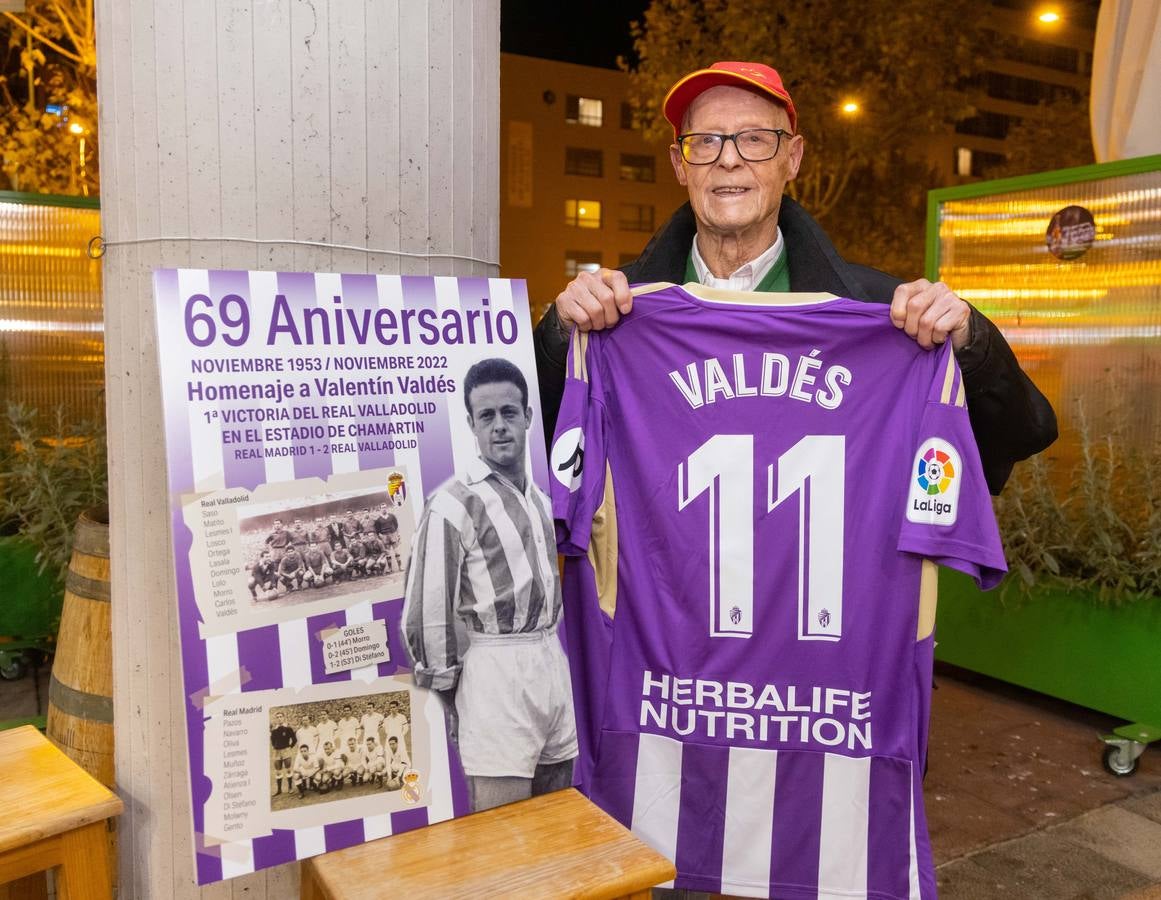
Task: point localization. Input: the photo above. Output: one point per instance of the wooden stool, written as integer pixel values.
(52, 814)
(555, 845)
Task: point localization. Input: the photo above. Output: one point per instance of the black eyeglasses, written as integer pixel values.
(753, 145)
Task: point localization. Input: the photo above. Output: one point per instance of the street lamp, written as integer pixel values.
(1048, 16)
(849, 107)
(79, 130)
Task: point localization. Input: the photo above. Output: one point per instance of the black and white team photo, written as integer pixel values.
(334, 545)
(328, 750)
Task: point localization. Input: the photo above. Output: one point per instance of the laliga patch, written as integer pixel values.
(935, 480)
(568, 458)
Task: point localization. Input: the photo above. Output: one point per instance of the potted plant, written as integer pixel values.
(49, 477)
(1079, 616)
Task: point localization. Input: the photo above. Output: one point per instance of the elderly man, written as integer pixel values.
(735, 149)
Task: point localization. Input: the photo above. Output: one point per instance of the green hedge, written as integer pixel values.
(30, 601)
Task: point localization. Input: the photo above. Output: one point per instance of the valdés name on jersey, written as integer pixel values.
(775, 376)
(798, 715)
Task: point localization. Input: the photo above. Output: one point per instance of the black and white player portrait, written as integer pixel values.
(335, 544)
(483, 601)
(328, 750)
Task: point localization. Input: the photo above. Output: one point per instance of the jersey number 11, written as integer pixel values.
(815, 469)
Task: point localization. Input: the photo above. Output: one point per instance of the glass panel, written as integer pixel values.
(52, 349)
(1085, 323)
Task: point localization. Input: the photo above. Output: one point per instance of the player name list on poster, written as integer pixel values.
(220, 553)
(238, 777)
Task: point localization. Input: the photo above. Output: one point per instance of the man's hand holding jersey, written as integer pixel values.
(594, 301)
(930, 313)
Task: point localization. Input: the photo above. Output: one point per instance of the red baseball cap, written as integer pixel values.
(755, 76)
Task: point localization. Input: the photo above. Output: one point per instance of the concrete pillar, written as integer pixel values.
(373, 124)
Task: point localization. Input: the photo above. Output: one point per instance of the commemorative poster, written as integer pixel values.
(308, 417)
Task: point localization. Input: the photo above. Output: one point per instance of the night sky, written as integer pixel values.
(591, 33)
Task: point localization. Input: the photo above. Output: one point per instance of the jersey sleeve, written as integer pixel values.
(578, 458)
(948, 517)
(431, 600)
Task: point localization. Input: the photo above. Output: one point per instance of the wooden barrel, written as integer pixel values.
(80, 694)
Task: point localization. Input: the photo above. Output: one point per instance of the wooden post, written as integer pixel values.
(371, 124)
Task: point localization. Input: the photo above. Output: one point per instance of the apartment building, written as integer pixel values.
(579, 186)
(1039, 52)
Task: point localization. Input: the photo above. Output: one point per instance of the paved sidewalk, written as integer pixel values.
(1020, 806)
(18, 699)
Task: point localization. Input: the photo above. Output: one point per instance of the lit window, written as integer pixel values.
(583, 161)
(577, 261)
(637, 167)
(636, 217)
(582, 213)
(963, 161)
(583, 111)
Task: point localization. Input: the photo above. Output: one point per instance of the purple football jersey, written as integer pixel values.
(750, 497)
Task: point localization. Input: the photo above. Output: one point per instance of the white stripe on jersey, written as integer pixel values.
(657, 794)
(913, 866)
(499, 574)
(475, 565)
(512, 545)
(842, 846)
(542, 525)
(749, 826)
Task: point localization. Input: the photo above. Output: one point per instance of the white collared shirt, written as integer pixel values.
(748, 277)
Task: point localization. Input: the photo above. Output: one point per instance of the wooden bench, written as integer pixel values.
(53, 814)
(555, 845)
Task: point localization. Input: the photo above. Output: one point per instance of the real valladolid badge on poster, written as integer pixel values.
(308, 417)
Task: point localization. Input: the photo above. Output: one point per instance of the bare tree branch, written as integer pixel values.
(64, 21)
(68, 54)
